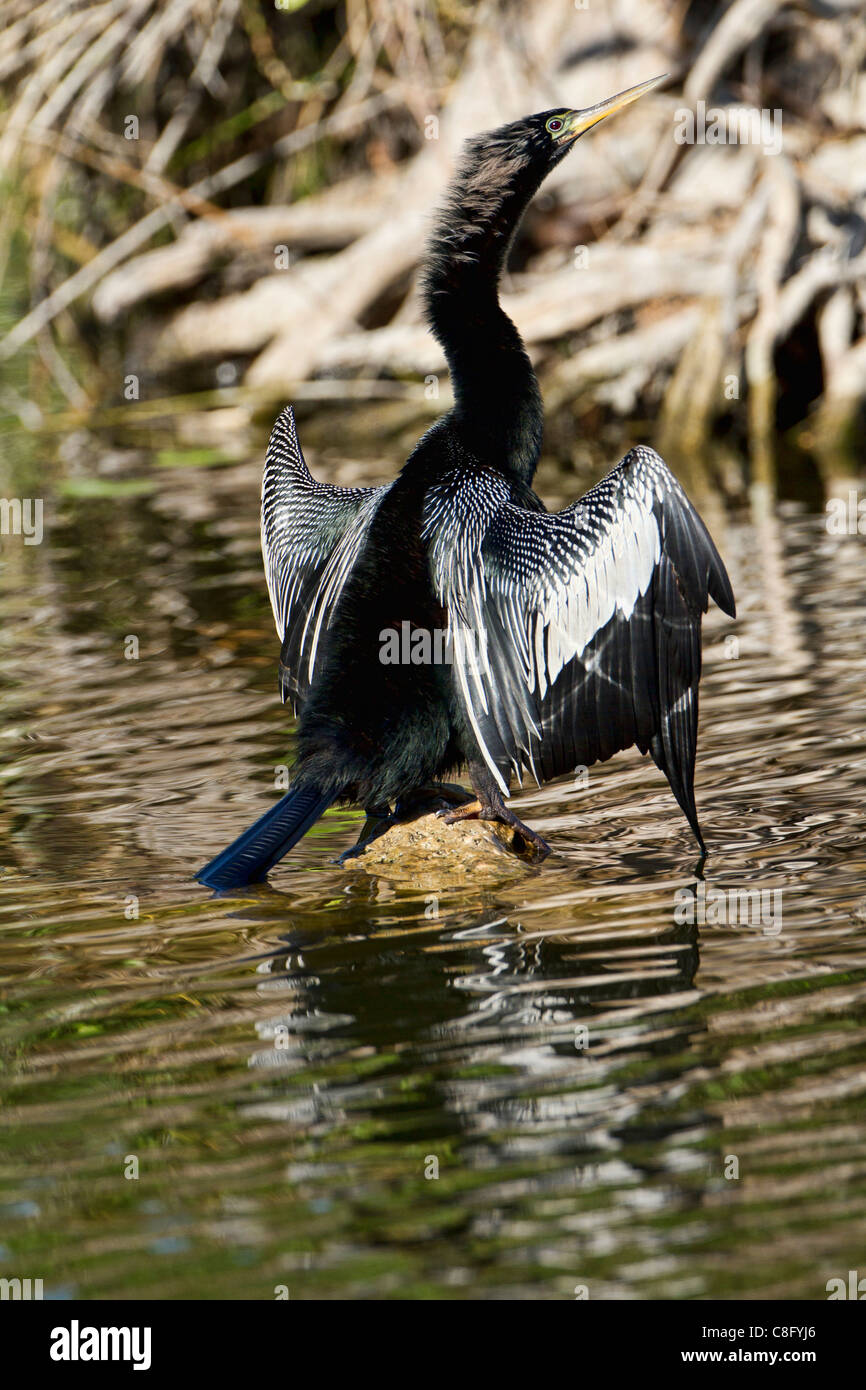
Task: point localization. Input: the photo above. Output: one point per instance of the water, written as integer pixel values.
(586, 1068)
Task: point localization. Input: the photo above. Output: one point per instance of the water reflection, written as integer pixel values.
(579, 1061)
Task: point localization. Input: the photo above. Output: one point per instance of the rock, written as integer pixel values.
(428, 853)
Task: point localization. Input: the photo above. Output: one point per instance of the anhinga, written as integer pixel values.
(573, 634)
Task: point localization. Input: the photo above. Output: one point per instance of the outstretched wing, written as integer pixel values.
(311, 535)
(578, 633)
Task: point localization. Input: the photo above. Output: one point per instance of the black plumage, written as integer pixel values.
(572, 635)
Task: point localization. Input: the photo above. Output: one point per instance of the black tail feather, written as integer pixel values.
(678, 656)
(248, 858)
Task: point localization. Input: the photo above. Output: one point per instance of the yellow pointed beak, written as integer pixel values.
(576, 122)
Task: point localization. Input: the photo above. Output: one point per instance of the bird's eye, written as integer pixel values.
(554, 125)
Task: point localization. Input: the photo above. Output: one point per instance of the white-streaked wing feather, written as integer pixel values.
(312, 534)
(586, 621)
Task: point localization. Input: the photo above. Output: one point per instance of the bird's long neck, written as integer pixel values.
(497, 403)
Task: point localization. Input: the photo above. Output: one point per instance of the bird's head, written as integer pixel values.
(525, 151)
(499, 172)
(549, 135)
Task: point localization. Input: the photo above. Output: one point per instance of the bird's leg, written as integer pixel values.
(419, 802)
(467, 811)
(379, 819)
(430, 797)
(451, 791)
(490, 806)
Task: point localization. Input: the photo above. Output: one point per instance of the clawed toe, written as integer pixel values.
(539, 844)
(501, 815)
(529, 836)
(466, 812)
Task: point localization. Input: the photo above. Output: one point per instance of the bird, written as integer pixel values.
(568, 635)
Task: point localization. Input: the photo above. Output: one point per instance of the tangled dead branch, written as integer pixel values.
(272, 205)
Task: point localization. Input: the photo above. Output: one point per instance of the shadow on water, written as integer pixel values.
(603, 1072)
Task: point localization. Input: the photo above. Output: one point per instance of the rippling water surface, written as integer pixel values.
(621, 1084)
